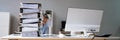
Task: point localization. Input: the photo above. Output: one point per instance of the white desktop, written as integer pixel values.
(83, 20)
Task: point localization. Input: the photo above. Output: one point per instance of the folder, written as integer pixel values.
(30, 20)
(29, 25)
(26, 29)
(30, 34)
(33, 15)
(25, 10)
(30, 5)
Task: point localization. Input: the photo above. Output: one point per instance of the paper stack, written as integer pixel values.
(30, 19)
(29, 32)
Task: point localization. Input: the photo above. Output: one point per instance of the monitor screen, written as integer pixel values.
(83, 19)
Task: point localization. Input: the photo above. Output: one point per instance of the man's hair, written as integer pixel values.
(46, 16)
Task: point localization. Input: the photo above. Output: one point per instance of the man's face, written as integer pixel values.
(45, 19)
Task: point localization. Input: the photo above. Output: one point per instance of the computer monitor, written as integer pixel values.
(83, 19)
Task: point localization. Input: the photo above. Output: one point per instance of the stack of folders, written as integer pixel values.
(30, 19)
(30, 7)
(30, 27)
(29, 32)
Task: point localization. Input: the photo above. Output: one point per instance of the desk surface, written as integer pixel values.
(19, 37)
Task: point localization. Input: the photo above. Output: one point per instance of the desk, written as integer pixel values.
(55, 38)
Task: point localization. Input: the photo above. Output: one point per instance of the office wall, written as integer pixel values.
(111, 20)
(12, 7)
(60, 8)
(110, 23)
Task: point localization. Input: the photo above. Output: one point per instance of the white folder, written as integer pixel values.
(32, 15)
(30, 20)
(24, 5)
(24, 29)
(30, 10)
(29, 25)
(30, 34)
